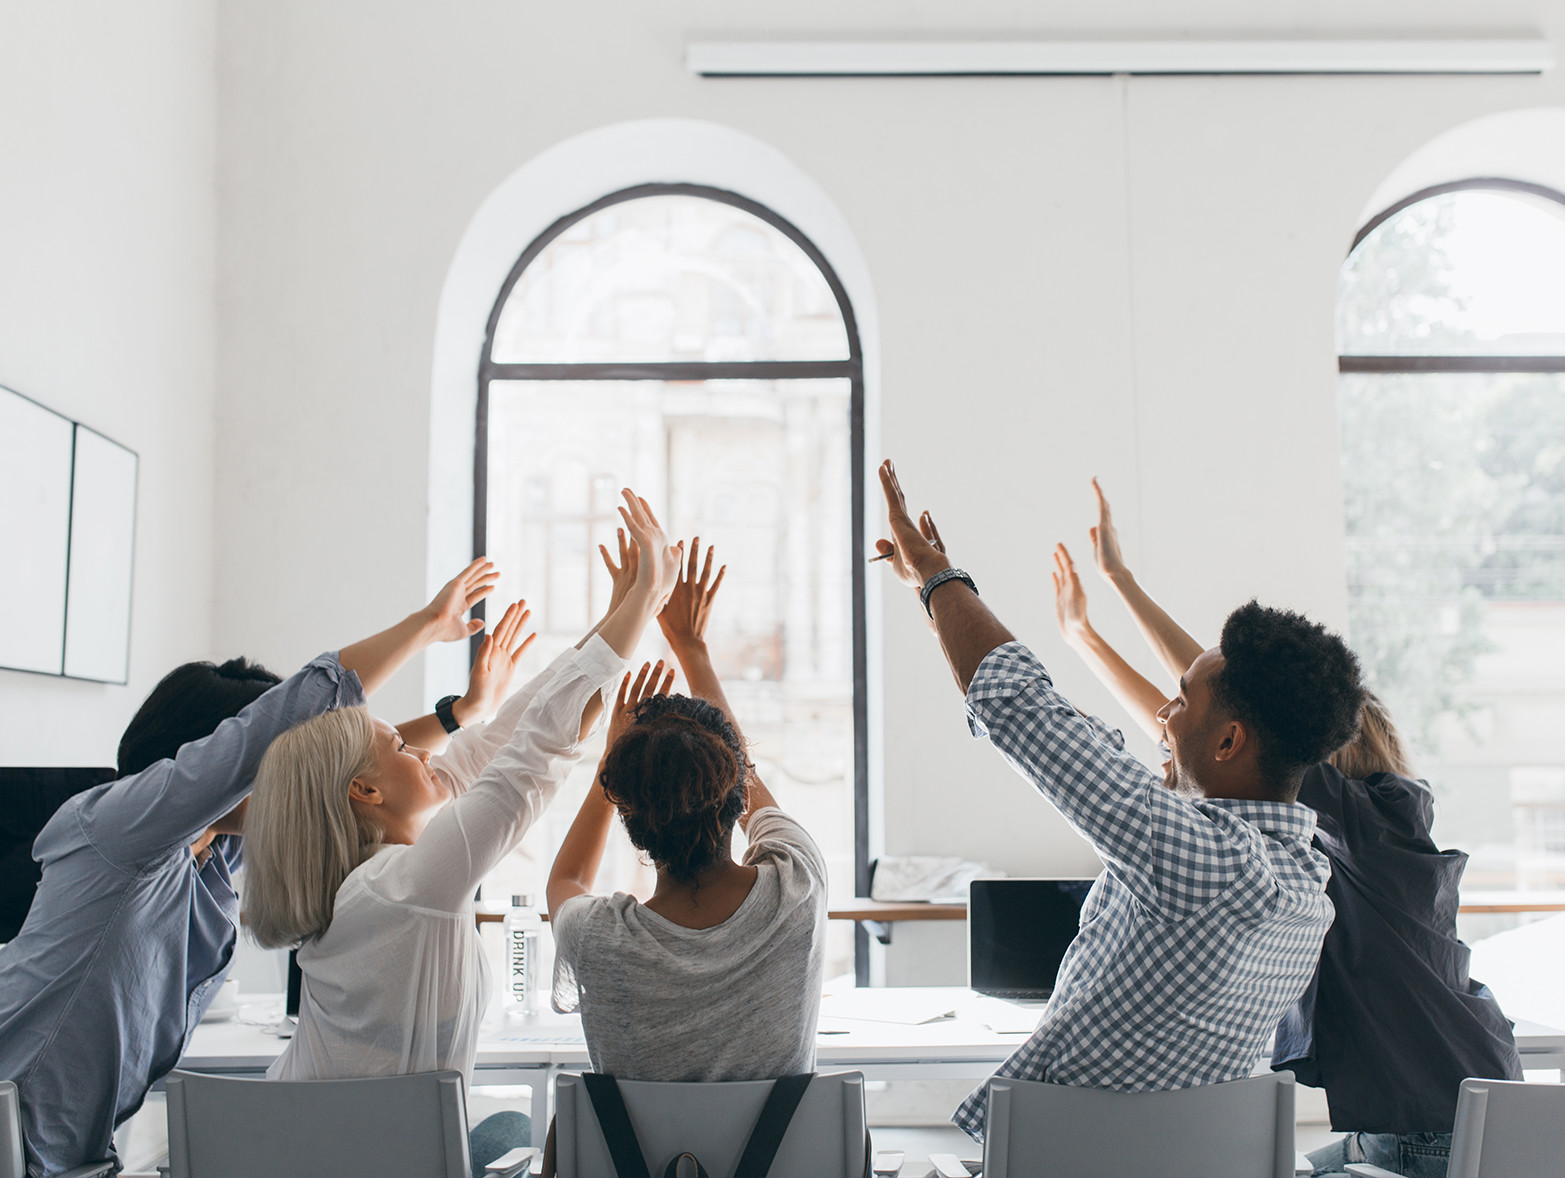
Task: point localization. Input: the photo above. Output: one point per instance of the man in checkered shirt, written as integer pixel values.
(1207, 921)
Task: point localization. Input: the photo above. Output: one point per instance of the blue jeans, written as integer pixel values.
(497, 1135)
(1414, 1155)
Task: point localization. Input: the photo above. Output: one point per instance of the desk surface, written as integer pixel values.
(850, 1034)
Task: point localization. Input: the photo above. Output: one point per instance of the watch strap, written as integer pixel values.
(939, 579)
(445, 715)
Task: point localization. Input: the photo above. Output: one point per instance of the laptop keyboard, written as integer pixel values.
(1021, 995)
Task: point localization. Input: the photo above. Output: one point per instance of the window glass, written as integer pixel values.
(670, 278)
(1471, 272)
(1455, 511)
(760, 470)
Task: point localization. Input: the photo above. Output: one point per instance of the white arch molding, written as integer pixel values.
(562, 179)
(1526, 144)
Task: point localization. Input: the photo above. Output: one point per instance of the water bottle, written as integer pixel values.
(523, 986)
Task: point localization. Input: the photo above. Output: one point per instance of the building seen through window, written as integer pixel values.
(1451, 330)
(688, 348)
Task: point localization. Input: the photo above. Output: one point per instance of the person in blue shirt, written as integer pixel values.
(135, 919)
(1392, 1022)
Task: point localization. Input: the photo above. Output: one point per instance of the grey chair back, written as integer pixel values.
(13, 1164)
(825, 1139)
(1242, 1129)
(382, 1127)
(13, 1158)
(1508, 1129)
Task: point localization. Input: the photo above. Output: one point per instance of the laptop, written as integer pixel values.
(1017, 933)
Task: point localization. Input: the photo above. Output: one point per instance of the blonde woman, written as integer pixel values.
(365, 853)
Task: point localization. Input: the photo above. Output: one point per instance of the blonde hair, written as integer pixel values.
(302, 835)
(1377, 748)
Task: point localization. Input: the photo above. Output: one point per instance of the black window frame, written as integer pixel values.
(1426, 364)
(852, 369)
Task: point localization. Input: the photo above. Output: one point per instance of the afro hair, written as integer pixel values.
(1292, 681)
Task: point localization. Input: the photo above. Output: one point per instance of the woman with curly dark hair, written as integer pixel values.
(669, 989)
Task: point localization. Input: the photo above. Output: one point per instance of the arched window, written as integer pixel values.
(692, 344)
(1451, 334)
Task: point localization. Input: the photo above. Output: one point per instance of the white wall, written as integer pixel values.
(1133, 279)
(107, 216)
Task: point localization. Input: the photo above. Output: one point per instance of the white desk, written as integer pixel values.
(530, 1052)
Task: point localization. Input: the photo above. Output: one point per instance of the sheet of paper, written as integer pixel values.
(909, 1007)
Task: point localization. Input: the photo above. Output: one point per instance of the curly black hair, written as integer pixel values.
(1294, 683)
(188, 704)
(677, 777)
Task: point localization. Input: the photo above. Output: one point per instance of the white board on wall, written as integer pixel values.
(103, 541)
(35, 506)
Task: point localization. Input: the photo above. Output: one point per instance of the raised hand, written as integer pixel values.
(446, 613)
(1070, 599)
(917, 552)
(1105, 539)
(657, 564)
(499, 656)
(631, 695)
(623, 574)
(685, 614)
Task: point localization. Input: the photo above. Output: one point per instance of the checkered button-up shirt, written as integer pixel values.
(1204, 928)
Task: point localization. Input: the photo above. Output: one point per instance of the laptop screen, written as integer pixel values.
(1018, 931)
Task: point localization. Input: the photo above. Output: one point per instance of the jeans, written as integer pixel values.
(499, 1134)
(1414, 1155)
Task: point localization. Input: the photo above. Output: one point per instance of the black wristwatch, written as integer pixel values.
(445, 715)
(939, 579)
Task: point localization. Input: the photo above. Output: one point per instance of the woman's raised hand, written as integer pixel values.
(623, 574)
(1105, 539)
(631, 695)
(446, 614)
(657, 564)
(1070, 599)
(499, 656)
(685, 614)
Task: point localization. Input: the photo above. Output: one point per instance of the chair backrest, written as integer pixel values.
(1242, 1129)
(13, 1164)
(825, 1139)
(1507, 1128)
(381, 1127)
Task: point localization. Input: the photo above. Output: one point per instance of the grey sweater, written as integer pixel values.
(737, 1001)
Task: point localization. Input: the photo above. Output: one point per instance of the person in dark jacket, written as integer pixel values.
(1392, 1022)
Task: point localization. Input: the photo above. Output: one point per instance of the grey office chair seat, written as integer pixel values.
(825, 1139)
(13, 1159)
(1242, 1129)
(383, 1127)
(1504, 1129)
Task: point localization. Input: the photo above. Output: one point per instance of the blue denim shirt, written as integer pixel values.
(129, 936)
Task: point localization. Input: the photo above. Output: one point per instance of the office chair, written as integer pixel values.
(1241, 1129)
(1504, 1129)
(412, 1126)
(13, 1161)
(825, 1139)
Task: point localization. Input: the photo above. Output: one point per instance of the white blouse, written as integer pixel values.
(399, 982)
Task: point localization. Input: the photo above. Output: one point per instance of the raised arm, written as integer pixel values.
(488, 683)
(1136, 694)
(581, 853)
(377, 658)
(683, 622)
(963, 623)
(1174, 648)
(173, 802)
(462, 842)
